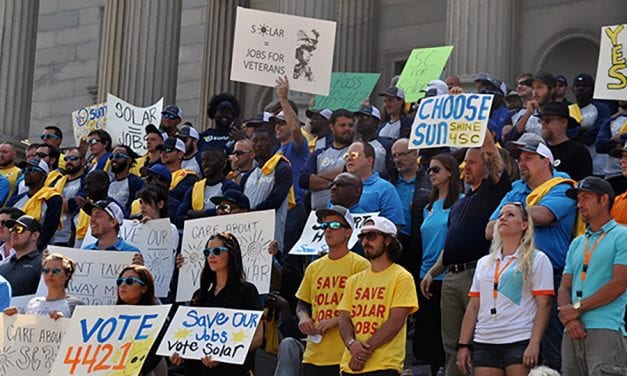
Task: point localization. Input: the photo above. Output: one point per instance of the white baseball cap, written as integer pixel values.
(378, 223)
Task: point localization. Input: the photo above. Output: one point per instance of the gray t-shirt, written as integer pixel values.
(69, 192)
(40, 306)
(192, 164)
(329, 159)
(212, 191)
(391, 130)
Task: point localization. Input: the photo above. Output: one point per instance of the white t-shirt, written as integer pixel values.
(40, 306)
(515, 303)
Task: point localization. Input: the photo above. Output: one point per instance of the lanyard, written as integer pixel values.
(587, 254)
(497, 276)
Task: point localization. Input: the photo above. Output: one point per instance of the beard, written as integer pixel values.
(116, 167)
(71, 169)
(371, 254)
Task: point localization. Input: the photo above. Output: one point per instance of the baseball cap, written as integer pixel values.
(30, 223)
(280, 117)
(560, 78)
(547, 78)
(173, 109)
(233, 196)
(592, 184)
(339, 211)
(260, 118)
(393, 91)
(174, 143)
(109, 206)
(618, 153)
(559, 109)
(151, 128)
(370, 111)
(37, 163)
(585, 78)
(162, 171)
(493, 82)
(378, 223)
(439, 87)
(189, 131)
(225, 104)
(532, 143)
(325, 113)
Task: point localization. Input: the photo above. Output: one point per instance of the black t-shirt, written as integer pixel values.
(572, 158)
(467, 220)
(241, 296)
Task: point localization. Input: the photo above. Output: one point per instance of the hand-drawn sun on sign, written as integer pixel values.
(264, 29)
(5, 359)
(194, 258)
(239, 336)
(253, 244)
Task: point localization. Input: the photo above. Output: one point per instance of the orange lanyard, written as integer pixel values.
(498, 273)
(587, 254)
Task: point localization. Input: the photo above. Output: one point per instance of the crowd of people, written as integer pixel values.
(502, 259)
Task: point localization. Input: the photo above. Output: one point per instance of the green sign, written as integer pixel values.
(423, 65)
(348, 90)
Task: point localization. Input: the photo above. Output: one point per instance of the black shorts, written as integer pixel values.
(498, 356)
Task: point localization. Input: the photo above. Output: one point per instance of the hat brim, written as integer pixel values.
(321, 213)
(216, 200)
(89, 207)
(309, 113)
(617, 153)
(24, 164)
(369, 228)
(12, 222)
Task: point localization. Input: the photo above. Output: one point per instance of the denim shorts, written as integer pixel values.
(498, 356)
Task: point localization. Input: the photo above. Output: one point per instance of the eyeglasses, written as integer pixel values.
(216, 251)
(33, 169)
(527, 82)
(371, 235)
(93, 141)
(227, 208)
(340, 184)
(48, 136)
(333, 225)
(71, 158)
(400, 155)
(54, 271)
(17, 229)
(129, 281)
(352, 156)
(167, 150)
(170, 116)
(119, 156)
(41, 155)
(434, 169)
(241, 152)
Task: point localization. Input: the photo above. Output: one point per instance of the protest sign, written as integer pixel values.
(126, 122)
(348, 90)
(451, 120)
(93, 281)
(87, 119)
(611, 78)
(155, 241)
(223, 334)
(109, 340)
(254, 232)
(423, 65)
(312, 243)
(268, 45)
(29, 344)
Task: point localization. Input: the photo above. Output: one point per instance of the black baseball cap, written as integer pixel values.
(547, 78)
(30, 223)
(585, 78)
(592, 184)
(233, 196)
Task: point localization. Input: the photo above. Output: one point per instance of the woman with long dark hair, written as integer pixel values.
(223, 284)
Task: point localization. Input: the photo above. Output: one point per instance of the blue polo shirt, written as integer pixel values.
(120, 245)
(406, 189)
(433, 229)
(379, 195)
(612, 250)
(554, 238)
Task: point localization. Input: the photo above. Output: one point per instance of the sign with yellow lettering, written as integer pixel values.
(611, 79)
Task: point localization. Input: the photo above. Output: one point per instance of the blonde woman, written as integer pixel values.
(510, 301)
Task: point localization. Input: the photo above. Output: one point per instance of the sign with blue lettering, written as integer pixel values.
(87, 119)
(223, 334)
(126, 122)
(109, 340)
(451, 120)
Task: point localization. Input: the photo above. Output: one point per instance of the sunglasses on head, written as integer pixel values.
(129, 281)
(93, 141)
(352, 156)
(216, 251)
(71, 158)
(527, 82)
(119, 156)
(371, 235)
(170, 116)
(434, 169)
(333, 225)
(48, 136)
(54, 271)
(17, 229)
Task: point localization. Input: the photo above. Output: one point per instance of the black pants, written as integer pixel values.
(385, 372)
(313, 370)
(427, 342)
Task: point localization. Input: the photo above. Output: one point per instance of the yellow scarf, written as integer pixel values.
(34, 204)
(198, 195)
(537, 194)
(52, 180)
(82, 225)
(575, 112)
(270, 166)
(179, 175)
(139, 163)
(136, 208)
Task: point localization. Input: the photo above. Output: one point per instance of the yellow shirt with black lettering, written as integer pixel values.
(322, 287)
(368, 298)
(11, 173)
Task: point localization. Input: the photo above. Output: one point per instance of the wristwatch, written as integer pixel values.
(578, 306)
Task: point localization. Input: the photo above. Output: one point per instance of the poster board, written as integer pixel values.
(611, 78)
(423, 65)
(348, 91)
(126, 123)
(87, 119)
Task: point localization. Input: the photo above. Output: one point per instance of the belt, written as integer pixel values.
(458, 268)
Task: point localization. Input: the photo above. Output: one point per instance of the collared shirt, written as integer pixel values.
(611, 251)
(405, 190)
(379, 195)
(119, 245)
(23, 274)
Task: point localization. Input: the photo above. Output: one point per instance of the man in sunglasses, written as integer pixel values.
(321, 290)
(189, 135)
(70, 185)
(40, 201)
(171, 117)
(124, 186)
(346, 190)
(53, 136)
(99, 145)
(172, 152)
(592, 296)
(154, 138)
(242, 160)
(231, 201)
(6, 247)
(24, 268)
(375, 305)
(51, 156)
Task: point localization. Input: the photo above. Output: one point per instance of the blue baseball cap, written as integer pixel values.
(162, 171)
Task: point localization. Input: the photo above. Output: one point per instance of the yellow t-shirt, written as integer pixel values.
(11, 173)
(368, 298)
(322, 287)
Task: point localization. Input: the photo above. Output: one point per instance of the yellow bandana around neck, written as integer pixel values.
(269, 168)
(198, 195)
(34, 205)
(179, 175)
(540, 191)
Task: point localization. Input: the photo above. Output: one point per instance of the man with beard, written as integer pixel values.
(375, 305)
(96, 188)
(50, 155)
(319, 122)
(612, 136)
(23, 270)
(561, 86)
(542, 88)
(40, 202)
(325, 164)
(124, 186)
(368, 119)
(189, 135)
(172, 152)
(171, 117)
(53, 136)
(224, 109)
(396, 123)
(154, 139)
(8, 154)
(197, 200)
(69, 186)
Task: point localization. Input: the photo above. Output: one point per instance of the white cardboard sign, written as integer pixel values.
(126, 122)
(611, 79)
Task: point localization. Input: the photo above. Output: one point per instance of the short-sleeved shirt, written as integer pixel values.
(120, 245)
(323, 287)
(24, 273)
(69, 191)
(40, 306)
(369, 297)
(329, 159)
(297, 157)
(5, 293)
(612, 250)
(405, 190)
(515, 304)
(572, 158)
(379, 195)
(390, 129)
(433, 230)
(619, 209)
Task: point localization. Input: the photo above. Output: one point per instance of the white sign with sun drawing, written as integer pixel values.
(254, 231)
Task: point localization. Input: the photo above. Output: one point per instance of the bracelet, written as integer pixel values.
(350, 342)
(463, 345)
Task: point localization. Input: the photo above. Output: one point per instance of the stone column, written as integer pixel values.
(355, 37)
(483, 33)
(18, 37)
(139, 51)
(217, 55)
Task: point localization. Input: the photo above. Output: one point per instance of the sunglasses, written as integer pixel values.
(527, 82)
(170, 116)
(371, 235)
(33, 169)
(119, 156)
(41, 155)
(216, 251)
(352, 156)
(17, 229)
(333, 225)
(434, 169)
(340, 184)
(227, 208)
(54, 271)
(48, 136)
(167, 150)
(241, 152)
(71, 158)
(129, 281)
(93, 141)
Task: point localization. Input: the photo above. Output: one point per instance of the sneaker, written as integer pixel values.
(407, 372)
